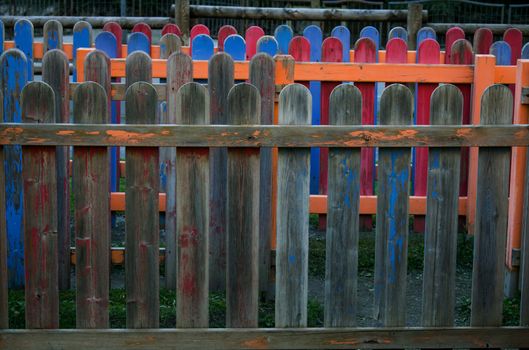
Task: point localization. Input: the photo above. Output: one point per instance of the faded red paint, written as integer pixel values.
(189, 284)
(189, 236)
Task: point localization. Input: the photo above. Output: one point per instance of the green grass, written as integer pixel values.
(117, 306)
(511, 311)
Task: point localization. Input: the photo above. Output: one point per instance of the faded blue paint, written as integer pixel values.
(292, 259)
(283, 35)
(314, 35)
(525, 51)
(24, 42)
(352, 187)
(163, 164)
(14, 78)
(2, 37)
(435, 164)
(502, 51)
(398, 183)
(53, 40)
(138, 42)
(398, 32)
(425, 33)
(268, 44)
(202, 48)
(342, 33)
(371, 33)
(81, 39)
(235, 46)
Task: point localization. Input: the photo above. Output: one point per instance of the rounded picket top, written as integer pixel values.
(314, 35)
(248, 112)
(171, 28)
(251, 36)
(221, 59)
(461, 52)
(283, 34)
(502, 51)
(90, 104)
(107, 42)
(142, 103)
(138, 67)
(496, 105)
(169, 43)
(202, 47)
(224, 32)
(299, 48)
(143, 28)
(52, 35)
(396, 51)
(525, 51)
(425, 33)
(37, 101)
(192, 104)
(295, 105)
(365, 50)
(261, 64)
(372, 33)
(14, 75)
(235, 46)
(345, 105)
(97, 67)
(54, 55)
(483, 38)
(446, 105)
(396, 105)
(138, 41)
(343, 34)
(331, 50)
(398, 32)
(198, 29)
(426, 48)
(267, 44)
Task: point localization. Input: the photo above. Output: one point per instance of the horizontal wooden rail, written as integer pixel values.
(154, 135)
(117, 255)
(266, 338)
(96, 22)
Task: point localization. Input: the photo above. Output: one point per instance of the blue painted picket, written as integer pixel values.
(268, 44)
(82, 37)
(24, 42)
(14, 70)
(53, 37)
(343, 34)
(398, 32)
(525, 51)
(138, 41)
(502, 51)
(315, 37)
(235, 46)
(107, 42)
(283, 35)
(203, 47)
(373, 34)
(425, 33)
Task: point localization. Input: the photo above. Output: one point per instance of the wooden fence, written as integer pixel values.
(245, 140)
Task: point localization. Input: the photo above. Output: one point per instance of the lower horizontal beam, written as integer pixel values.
(304, 338)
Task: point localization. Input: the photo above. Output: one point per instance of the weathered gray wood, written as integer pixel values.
(242, 213)
(95, 21)
(524, 266)
(440, 239)
(97, 69)
(169, 44)
(414, 23)
(391, 248)
(262, 76)
(343, 204)
(138, 67)
(292, 214)
(179, 72)
(491, 214)
(220, 81)
(4, 306)
(40, 218)
(118, 89)
(265, 136)
(91, 181)
(52, 35)
(55, 72)
(226, 339)
(141, 214)
(182, 18)
(192, 213)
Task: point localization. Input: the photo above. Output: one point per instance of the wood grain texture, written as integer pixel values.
(242, 214)
(179, 72)
(292, 214)
(169, 44)
(14, 76)
(141, 214)
(307, 338)
(440, 240)
(524, 266)
(483, 38)
(55, 72)
(262, 68)
(192, 213)
(491, 214)
(391, 247)
(97, 69)
(220, 83)
(4, 306)
(343, 201)
(91, 181)
(40, 219)
(52, 35)
(138, 68)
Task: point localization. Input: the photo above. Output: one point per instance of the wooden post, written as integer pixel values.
(141, 213)
(179, 72)
(242, 214)
(414, 23)
(192, 186)
(292, 212)
(182, 18)
(440, 251)
(56, 73)
(341, 258)
(396, 108)
(220, 82)
(491, 214)
(92, 212)
(40, 208)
